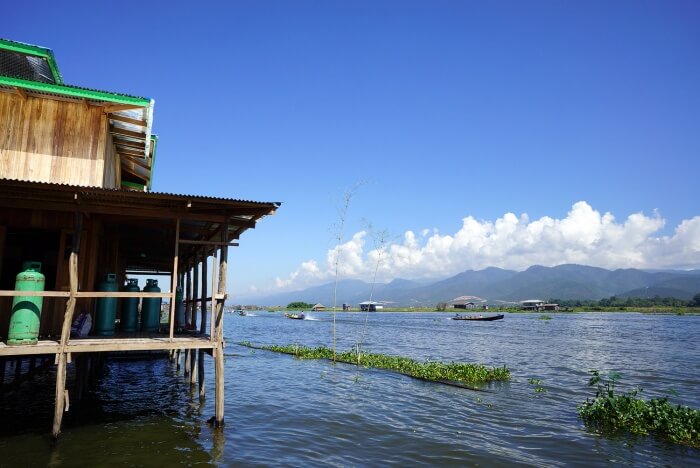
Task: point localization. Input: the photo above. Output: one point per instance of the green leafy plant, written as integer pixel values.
(538, 385)
(611, 413)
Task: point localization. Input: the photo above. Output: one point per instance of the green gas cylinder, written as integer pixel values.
(179, 309)
(130, 307)
(150, 308)
(26, 310)
(106, 307)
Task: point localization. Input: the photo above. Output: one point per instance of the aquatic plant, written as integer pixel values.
(434, 371)
(538, 385)
(612, 413)
(545, 317)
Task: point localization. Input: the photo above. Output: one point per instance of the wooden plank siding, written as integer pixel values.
(47, 140)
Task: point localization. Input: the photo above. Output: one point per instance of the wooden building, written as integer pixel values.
(76, 167)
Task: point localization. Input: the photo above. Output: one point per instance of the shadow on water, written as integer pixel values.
(141, 413)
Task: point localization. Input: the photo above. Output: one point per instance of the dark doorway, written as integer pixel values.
(29, 244)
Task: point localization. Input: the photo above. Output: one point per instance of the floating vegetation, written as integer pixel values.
(538, 385)
(453, 373)
(611, 413)
(545, 317)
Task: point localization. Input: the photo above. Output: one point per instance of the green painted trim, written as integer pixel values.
(30, 49)
(132, 185)
(154, 143)
(72, 91)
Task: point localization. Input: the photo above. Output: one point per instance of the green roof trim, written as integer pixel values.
(30, 49)
(132, 185)
(75, 91)
(154, 143)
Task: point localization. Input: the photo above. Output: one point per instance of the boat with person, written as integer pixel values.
(242, 313)
(299, 316)
(478, 318)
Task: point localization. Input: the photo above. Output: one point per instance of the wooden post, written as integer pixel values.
(173, 278)
(188, 296)
(219, 350)
(193, 316)
(203, 325)
(214, 288)
(61, 393)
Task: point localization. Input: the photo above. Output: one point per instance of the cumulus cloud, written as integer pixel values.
(584, 236)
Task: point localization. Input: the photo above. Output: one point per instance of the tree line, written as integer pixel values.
(614, 301)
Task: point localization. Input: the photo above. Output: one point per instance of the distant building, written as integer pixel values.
(318, 307)
(370, 306)
(551, 307)
(532, 304)
(466, 302)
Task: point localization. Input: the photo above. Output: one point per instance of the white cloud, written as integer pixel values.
(584, 236)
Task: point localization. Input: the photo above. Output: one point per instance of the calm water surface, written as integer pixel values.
(284, 411)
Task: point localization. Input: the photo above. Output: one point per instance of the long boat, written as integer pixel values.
(478, 318)
(295, 316)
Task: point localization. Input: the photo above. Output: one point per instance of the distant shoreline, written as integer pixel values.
(643, 310)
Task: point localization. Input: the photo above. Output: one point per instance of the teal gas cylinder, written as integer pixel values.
(26, 310)
(179, 309)
(130, 307)
(150, 308)
(106, 306)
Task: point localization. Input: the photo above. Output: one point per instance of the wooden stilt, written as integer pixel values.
(219, 376)
(219, 330)
(203, 328)
(177, 359)
(189, 305)
(186, 363)
(193, 367)
(65, 330)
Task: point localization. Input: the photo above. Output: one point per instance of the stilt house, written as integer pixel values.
(76, 167)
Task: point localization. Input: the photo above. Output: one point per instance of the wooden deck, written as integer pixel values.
(83, 345)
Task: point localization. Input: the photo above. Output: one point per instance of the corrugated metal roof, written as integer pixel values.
(133, 194)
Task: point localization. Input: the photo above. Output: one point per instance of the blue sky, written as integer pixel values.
(582, 115)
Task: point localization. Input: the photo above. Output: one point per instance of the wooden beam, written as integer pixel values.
(130, 144)
(129, 120)
(122, 107)
(140, 161)
(130, 152)
(216, 243)
(135, 169)
(130, 133)
(12, 293)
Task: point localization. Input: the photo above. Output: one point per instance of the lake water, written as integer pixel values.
(285, 411)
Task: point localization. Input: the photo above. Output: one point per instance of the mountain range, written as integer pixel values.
(495, 285)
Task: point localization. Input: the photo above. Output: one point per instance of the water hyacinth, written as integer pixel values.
(435, 371)
(610, 413)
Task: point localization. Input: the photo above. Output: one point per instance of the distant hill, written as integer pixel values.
(577, 282)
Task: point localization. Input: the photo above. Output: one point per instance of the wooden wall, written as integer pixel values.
(47, 140)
